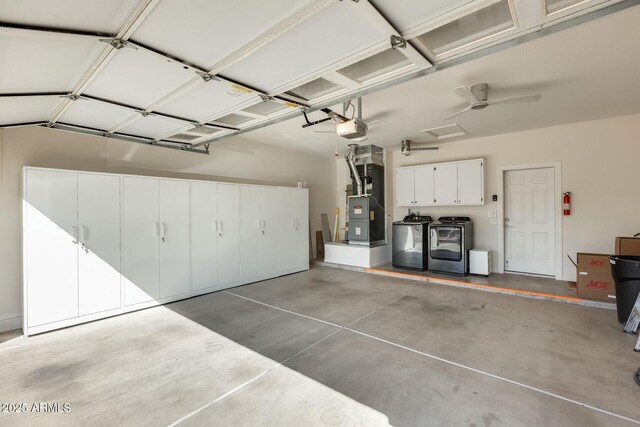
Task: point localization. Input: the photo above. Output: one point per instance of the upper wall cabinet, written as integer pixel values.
(441, 184)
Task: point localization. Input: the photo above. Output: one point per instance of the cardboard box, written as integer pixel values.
(627, 245)
(594, 279)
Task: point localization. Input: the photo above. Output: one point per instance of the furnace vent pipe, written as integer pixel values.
(350, 157)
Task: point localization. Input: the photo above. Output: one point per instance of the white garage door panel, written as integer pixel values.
(210, 30)
(50, 249)
(152, 126)
(83, 15)
(137, 79)
(28, 109)
(23, 60)
(407, 14)
(94, 114)
(309, 47)
(205, 100)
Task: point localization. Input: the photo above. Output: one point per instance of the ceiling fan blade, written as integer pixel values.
(377, 117)
(458, 113)
(517, 99)
(376, 124)
(466, 94)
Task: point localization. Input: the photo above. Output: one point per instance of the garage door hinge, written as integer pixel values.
(398, 42)
(71, 97)
(206, 76)
(118, 43)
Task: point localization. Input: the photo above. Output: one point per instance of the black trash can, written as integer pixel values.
(626, 273)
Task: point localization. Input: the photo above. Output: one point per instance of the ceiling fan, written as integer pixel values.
(477, 97)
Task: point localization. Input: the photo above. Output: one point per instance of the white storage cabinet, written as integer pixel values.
(97, 245)
(441, 184)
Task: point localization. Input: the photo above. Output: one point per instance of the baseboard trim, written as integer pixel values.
(10, 323)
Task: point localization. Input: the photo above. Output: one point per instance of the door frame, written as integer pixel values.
(557, 172)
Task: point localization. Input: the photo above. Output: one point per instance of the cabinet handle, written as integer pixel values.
(74, 230)
(220, 229)
(259, 225)
(157, 228)
(215, 226)
(84, 233)
(164, 230)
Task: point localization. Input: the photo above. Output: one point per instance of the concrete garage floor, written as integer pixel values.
(419, 353)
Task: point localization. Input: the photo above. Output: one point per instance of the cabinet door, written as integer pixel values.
(251, 241)
(293, 250)
(271, 205)
(405, 184)
(446, 184)
(470, 183)
(174, 238)
(99, 236)
(204, 235)
(51, 252)
(301, 242)
(424, 178)
(140, 232)
(228, 235)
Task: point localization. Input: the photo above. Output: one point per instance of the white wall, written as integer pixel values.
(233, 160)
(600, 167)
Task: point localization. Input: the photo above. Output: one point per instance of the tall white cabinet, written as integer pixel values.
(228, 235)
(293, 247)
(175, 238)
(71, 245)
(50, 208)
(97, 245)
(260, 209)
(215, 236)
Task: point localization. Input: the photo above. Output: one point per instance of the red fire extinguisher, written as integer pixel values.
(566, 204)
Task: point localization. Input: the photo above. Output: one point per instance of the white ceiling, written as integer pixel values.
(156, 68)
(586, 72)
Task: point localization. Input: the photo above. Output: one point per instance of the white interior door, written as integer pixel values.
(470, 185)
(530, 221)
(228, 235)
(424, 186)
(204, 235)
(174, 238)
(51, 252)
(446, 184)
(140, 234)
(99, 236)
(405, 195)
